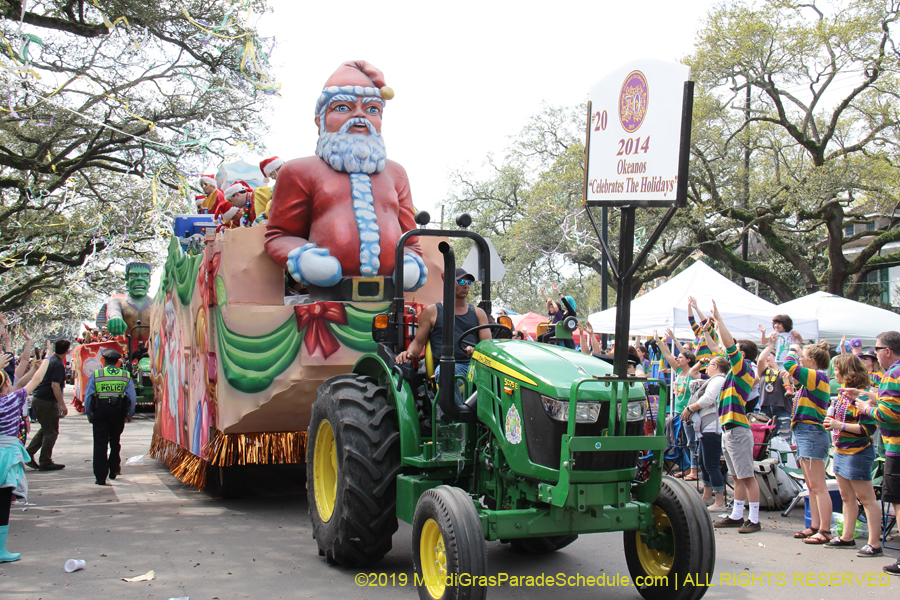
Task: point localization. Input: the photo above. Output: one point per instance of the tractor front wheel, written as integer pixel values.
(352, 462)
(448, 546)
(674, 559)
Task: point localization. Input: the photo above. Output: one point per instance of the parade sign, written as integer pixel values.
(635, 135)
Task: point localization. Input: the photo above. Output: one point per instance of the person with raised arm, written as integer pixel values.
(808, 366)
(703, 332)
(681, 367)
(737, 438)
(12, 454)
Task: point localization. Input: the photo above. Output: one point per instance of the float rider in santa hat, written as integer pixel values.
(338, 215)
(232, 211)
(214, 196)
(262, 196)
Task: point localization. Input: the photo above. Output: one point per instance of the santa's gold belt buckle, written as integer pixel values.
(367, 289)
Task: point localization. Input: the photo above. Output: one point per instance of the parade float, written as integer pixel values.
(245, 328)
(127, 317)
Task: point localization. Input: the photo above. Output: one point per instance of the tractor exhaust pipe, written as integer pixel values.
(447, 381)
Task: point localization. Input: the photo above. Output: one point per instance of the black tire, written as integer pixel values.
(541, 545)
(459, 536)
(361, 492)
(230, 481)
(687, 550)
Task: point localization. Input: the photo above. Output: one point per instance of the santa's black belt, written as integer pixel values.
(355, 289)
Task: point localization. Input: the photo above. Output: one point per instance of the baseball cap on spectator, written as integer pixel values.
(856, 343)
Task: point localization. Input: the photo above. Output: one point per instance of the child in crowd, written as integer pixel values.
(854, 455)
(775, 389)
(557, 311)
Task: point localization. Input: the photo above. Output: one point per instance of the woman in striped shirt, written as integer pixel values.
(852, 433)
(12, 454)
(808, 366)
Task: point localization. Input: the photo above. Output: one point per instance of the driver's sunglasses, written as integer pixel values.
(464, 282)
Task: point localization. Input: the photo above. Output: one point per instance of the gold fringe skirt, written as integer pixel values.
(224, 450)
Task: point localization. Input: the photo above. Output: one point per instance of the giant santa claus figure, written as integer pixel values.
(339, 214)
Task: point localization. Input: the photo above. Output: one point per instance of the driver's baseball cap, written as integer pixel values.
(461, 273)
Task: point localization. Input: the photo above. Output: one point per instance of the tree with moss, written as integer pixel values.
(110, 109)
(795, 137)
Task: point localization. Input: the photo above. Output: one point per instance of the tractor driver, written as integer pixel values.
(431, 328)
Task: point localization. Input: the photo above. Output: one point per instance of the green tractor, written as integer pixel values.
(545, 447)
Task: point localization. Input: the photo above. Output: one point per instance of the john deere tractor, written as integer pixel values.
(545, 447)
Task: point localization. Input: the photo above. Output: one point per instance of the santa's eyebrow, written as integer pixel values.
(370, 99)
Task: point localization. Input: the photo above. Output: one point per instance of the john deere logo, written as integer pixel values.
(633, 101)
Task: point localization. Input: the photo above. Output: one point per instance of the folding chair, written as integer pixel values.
(888, 521)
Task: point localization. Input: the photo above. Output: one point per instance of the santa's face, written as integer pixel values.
(207, 187)
(341, 111)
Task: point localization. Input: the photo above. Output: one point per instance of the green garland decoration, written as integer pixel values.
(180, 272)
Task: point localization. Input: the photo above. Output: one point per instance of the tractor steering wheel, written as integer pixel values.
(501, 328)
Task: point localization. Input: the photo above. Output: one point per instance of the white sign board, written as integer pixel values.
(635, 133)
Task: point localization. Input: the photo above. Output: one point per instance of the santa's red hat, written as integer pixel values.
(209, 179)
(356, 77)
(269, 165)
(236, 187)
(199, 199)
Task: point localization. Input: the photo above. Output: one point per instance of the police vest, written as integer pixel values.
(110, 382)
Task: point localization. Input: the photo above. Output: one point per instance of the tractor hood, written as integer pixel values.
(549, 369)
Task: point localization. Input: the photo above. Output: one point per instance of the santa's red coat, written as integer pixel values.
(312, 203)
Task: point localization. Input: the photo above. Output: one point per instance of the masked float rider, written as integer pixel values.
(339, 214)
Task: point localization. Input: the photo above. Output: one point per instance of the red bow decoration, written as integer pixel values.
(315, 317)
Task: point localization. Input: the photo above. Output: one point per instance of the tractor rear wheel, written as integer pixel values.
(352, 461)
(680, 545)
(541, 545)
(448, 546)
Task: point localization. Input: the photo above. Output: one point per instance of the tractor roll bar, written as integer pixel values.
(483, 275)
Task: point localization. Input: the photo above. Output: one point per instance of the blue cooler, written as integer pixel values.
(188, 225)
(837, 505)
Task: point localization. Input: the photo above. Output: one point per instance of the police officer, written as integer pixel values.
(111, 402)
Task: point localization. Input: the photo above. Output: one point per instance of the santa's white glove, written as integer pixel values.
(414, 272)
(310, 264)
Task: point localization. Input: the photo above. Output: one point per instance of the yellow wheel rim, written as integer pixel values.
(433, 557)
(656, 562)
(325, 471)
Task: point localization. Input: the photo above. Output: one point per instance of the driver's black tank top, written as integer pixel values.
(463, 323)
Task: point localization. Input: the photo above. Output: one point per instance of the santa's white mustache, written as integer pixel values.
(358, 121)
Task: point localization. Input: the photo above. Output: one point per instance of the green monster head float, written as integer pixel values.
(124, 313)
(137, 279)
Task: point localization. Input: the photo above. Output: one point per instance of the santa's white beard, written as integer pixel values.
(353, 152)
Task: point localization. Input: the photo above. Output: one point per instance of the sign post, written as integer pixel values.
(637, 151)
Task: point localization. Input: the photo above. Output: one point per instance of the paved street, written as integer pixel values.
(260, 546)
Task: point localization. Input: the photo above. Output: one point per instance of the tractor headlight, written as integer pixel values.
(636, 411)
(585, 412)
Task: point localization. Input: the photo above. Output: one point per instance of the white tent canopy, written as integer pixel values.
(666, 307)
(839, 316)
